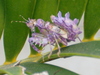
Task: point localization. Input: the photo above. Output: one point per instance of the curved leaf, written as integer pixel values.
(12, 71)
(32, 68)
(92, 19)
(15, 33)
(1, 17)
(90, 49)
(44, 9)
(75, 7)
(29, 68)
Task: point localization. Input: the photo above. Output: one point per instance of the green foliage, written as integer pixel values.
(12, 71)
(75, 7)
(44, 9)
(1, 17)
(30, 68)
(15, 34)
(92, 19)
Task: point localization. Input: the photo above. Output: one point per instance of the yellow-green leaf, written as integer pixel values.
(1, 17)
(89, 49)
(15, 34)
(92, 19)
(74, 7)
(13, 71)
(32, 68)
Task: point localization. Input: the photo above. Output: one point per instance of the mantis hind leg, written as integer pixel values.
(59, 51)
(79, 39)
(50, 49)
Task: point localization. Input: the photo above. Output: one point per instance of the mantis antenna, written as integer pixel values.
(79, 39)
(18, 21)
(21, 21)
(23, 17)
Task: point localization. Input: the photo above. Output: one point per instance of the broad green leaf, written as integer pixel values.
(32, 68)
(43, 10)
(92, 19)
(74, 7)
(15, 33)
(1, 17)
(13, 71)
(89, 49)
(7, 66)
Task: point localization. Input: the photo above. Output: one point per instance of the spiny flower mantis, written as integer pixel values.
(61, 30)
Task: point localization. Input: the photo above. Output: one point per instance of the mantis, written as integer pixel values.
(61, 30)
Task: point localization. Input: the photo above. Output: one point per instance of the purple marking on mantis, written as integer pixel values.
(67, 24)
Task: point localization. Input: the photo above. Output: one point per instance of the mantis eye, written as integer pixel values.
(28, 22)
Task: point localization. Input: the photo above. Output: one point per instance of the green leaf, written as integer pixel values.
(1, 17)
(75, 7)
(13, 71)
(92, 19)
(43, 10)
(15, 34)
(90, 49)
(32, 68)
